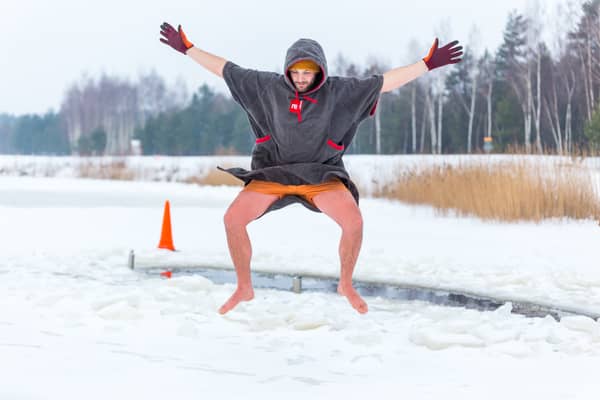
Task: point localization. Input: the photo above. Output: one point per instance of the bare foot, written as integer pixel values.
(354, 298)
(238, 296)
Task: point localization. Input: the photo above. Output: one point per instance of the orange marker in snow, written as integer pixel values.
(166, 237)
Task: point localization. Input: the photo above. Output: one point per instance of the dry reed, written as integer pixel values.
(507, 191)
(215, 177)
(115, 170)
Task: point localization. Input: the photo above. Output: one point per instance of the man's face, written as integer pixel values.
(303, 79)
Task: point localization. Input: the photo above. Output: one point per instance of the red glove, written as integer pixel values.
(438, 57)
(175, 38)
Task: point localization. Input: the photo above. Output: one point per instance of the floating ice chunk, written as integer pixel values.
(582, 324)
(505, 309)
(306, 323)
(266, 323)
(435, 339)
(194, 283)
(132, 301)
(120, 311)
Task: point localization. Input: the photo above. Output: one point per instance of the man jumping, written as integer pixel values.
(304, 120)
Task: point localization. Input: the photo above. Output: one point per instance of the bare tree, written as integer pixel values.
(71, 113)
(430, 106)
(552, 114)
(340, 65)
(474, 39)
(117, 106)
(414, 51)
(564, 79)
(487, 76)
(443, 32)
(376, 66)
(535, 18)
(465, 80)
(424, 123)
(440, 114)
(586, 40)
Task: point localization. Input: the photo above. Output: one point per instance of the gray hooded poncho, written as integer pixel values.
(301, 137)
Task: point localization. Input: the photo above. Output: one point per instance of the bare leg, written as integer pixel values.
(245, 208)
(341, 207)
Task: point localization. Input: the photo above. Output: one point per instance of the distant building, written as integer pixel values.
(136, 147)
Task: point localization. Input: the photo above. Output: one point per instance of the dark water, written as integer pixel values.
(372, 289)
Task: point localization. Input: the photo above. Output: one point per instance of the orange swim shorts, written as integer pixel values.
(306, 191)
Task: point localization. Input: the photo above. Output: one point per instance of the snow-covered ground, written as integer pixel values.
(75, 322)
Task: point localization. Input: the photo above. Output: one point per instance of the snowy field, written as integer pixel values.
(369, 172)
(76, 323)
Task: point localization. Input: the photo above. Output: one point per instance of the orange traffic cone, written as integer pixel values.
(166, 238)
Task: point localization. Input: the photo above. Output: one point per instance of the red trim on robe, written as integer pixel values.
(263, 139)
(336, 146)
(372, 112)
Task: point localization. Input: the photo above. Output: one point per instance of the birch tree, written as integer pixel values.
(551, 107)
(474, 41)
(414, 51)
(118, 106)
(430, 105)
(535, 16)
(444, 32)
(463, 81)
(559, 100)
(585, 39)
(376, 67)
(487, 74)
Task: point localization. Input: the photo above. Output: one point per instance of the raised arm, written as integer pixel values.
(437, 57)
(177, 40)
(400, 76)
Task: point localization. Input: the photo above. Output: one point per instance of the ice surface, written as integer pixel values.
(75, 322)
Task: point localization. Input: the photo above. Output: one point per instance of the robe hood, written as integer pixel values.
(306, 49)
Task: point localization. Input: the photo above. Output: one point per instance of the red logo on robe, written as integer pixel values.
(296, 106)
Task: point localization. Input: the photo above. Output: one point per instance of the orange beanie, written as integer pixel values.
(307, 65)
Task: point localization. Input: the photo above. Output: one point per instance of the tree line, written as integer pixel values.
(535, 92)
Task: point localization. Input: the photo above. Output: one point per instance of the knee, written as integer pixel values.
(353, 224)
(234, 219)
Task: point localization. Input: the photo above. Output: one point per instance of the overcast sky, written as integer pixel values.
(46, 45)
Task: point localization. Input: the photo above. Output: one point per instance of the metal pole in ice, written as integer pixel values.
(131, 259)
(297, 284)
